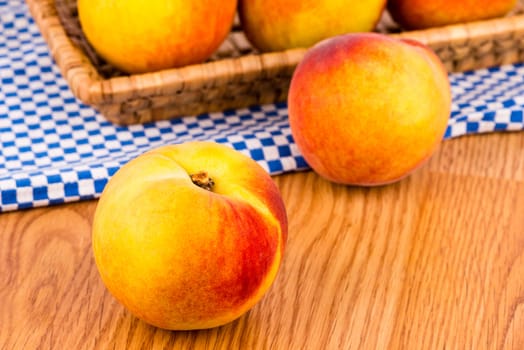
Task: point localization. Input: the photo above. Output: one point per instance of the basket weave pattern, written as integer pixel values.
(237, 75)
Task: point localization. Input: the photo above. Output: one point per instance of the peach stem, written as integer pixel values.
(202, 179)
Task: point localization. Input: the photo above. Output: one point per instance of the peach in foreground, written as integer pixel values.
(189, 236)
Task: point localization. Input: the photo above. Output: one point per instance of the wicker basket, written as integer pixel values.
(237, 76)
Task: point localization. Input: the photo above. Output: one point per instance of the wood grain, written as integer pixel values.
(435, 261)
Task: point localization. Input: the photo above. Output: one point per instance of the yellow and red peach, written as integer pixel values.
(422, 14)
(275, 25)
(189, 236)
(143, 36)
(368, 109)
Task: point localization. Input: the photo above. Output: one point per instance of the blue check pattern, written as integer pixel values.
(54, 149)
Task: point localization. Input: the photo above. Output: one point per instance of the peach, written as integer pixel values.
(189, 236)
(421, 14)
(368, 109)
(143, 36)
(275, 25)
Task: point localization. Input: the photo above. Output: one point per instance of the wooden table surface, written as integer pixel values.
(435, 261)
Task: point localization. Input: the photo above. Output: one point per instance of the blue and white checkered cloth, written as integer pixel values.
(54, 149)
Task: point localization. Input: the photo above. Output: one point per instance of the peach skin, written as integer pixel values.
(422, 14)
(144, 36)
(189, 236)
(368, 109)
(275, 25)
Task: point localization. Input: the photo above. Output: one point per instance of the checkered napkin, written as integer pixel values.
(54, 149)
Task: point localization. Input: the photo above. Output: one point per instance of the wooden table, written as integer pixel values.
(435, 261)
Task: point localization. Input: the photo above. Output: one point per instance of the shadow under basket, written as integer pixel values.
(238, 76)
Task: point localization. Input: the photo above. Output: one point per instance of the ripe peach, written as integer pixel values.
(274, 25)
(368, 109)
(143, 36)
(421, 14)
(189, 236)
